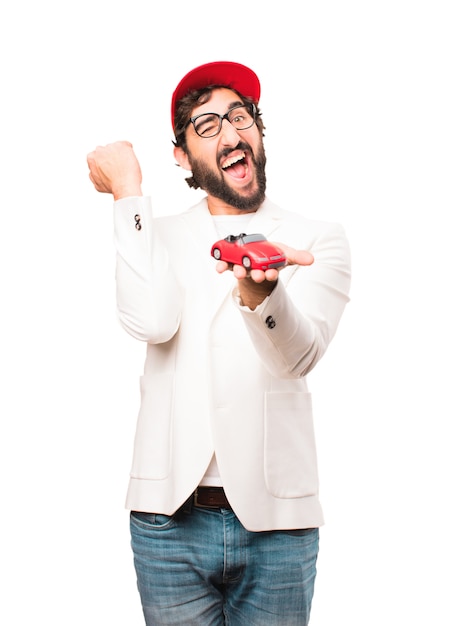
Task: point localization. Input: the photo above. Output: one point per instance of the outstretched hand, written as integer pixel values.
(293, 257)
(255, 285)
(114, 169)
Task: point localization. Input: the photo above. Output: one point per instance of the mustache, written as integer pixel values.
(242, 145)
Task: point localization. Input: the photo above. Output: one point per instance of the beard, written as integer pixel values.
(215, 185)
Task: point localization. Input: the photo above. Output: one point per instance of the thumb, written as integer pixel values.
(296, 257)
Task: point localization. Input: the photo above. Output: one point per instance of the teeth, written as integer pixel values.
(232, 160)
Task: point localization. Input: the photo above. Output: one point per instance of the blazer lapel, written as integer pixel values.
(201, 225)
(266, 220)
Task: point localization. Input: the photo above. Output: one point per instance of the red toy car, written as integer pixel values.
(251, 251)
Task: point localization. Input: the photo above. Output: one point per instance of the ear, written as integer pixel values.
(182, 158)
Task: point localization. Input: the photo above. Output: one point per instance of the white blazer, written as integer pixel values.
(217, 377)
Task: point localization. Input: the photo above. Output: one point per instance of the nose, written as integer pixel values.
(228, 134)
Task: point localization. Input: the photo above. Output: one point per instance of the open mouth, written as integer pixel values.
(236, 166)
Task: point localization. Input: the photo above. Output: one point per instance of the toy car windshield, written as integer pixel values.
(242, 239)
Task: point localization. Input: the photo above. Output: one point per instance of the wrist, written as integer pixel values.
(252, 294)
(127, 191)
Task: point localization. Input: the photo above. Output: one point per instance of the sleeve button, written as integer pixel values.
(270, 322)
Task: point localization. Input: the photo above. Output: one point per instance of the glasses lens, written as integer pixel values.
(241, 117)
(207, 125)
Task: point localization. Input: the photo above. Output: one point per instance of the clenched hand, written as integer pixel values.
(114, 169)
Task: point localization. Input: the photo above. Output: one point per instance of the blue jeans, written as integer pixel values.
(201, 567)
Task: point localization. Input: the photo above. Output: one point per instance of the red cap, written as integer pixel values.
(234, 75)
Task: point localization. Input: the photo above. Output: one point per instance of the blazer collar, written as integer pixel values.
(265, 220)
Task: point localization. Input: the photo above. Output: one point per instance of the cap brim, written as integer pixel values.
(225, 73)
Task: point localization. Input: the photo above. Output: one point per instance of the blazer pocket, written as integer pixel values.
(152, 450)
(290, 462)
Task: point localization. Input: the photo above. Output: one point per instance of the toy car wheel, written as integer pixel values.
(246, 262)
(216, 253)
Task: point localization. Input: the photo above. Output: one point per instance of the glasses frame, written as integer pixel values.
(249, 106)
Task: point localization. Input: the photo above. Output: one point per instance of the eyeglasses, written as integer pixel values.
(241, 117)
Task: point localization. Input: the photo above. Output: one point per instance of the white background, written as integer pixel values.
(357, 101)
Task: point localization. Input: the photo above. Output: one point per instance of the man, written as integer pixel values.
(223, 490)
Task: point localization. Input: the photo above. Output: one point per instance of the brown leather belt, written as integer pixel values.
(211, 498)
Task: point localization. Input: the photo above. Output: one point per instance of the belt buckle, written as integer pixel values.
(209, 505)
(196, 503)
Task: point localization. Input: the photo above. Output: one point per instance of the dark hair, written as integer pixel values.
(186, 105)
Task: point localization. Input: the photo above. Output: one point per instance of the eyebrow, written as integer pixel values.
(230, 106)
(235, 104)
